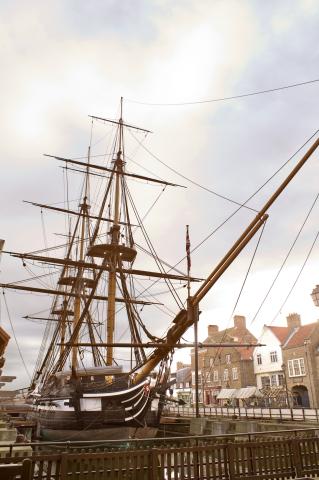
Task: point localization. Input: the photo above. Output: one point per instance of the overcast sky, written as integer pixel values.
(61, 61)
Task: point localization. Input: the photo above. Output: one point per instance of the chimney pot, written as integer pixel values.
(293, 320)
(239, 321)
(212, 329)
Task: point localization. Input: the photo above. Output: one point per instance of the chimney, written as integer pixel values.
(239, 322)
(293, 320)
(212, 329)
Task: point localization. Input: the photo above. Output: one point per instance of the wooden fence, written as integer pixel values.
(280, 458)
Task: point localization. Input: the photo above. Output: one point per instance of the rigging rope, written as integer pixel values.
(298, 276)
(190, 180)
(14, 335)
(237, 210)
(238, 297)
(286, 258)
(223, 99)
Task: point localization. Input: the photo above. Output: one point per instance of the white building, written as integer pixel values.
(268, 360)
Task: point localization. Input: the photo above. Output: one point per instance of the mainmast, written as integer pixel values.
(114, 233)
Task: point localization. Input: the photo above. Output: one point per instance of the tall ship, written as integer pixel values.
(87, 385)
(101, 372)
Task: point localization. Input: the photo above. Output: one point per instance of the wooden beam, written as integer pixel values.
(166, 345)
(72, 212)
(70, 294)
(95, 266)
(105, 169)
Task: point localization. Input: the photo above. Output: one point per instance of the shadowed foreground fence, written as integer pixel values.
(272, 459)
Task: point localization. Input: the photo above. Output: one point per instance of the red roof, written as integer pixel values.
(281, 333)
(301, 334)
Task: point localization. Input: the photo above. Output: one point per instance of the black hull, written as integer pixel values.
(98, 415)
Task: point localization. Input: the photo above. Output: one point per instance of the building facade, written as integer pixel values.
(286, 367)
(182, 388)
(301, 363)
(228, 367)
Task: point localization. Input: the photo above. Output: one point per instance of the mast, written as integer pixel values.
(79, 283)
(115, 230)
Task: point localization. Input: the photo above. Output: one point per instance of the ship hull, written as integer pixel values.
(98, 416)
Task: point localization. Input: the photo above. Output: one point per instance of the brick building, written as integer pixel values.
(227, 367)
(301, 362)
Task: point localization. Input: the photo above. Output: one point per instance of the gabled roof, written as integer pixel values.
(240, 335)
(184, 375)
(246, 353)
(223, 336)
(300, 335)
(281, 333)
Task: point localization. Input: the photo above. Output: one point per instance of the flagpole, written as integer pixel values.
(188, 256)
(192, 312)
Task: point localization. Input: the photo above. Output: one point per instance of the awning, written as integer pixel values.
(247, 392)
(226, 393)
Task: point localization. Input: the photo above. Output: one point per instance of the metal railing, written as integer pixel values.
(294, 414)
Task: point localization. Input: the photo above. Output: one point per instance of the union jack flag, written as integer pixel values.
(188, 250)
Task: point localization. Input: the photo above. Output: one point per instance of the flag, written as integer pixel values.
(188, 250)
(1, 246)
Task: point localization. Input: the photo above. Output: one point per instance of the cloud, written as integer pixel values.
(62, 61)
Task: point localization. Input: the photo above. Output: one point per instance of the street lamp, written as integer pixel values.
(283, 368)
(315, 295)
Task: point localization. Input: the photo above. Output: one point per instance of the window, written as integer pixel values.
(265, 381)
(273, 380)
(259, 360)
(273, 357)
(228, 358)
(226, 375)
(296, 367)
(215, 375)
(280, 379)
(235, 373)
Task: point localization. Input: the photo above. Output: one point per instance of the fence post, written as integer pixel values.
(151, 461)
(296, 458)
(63, 466)
(229, 460)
